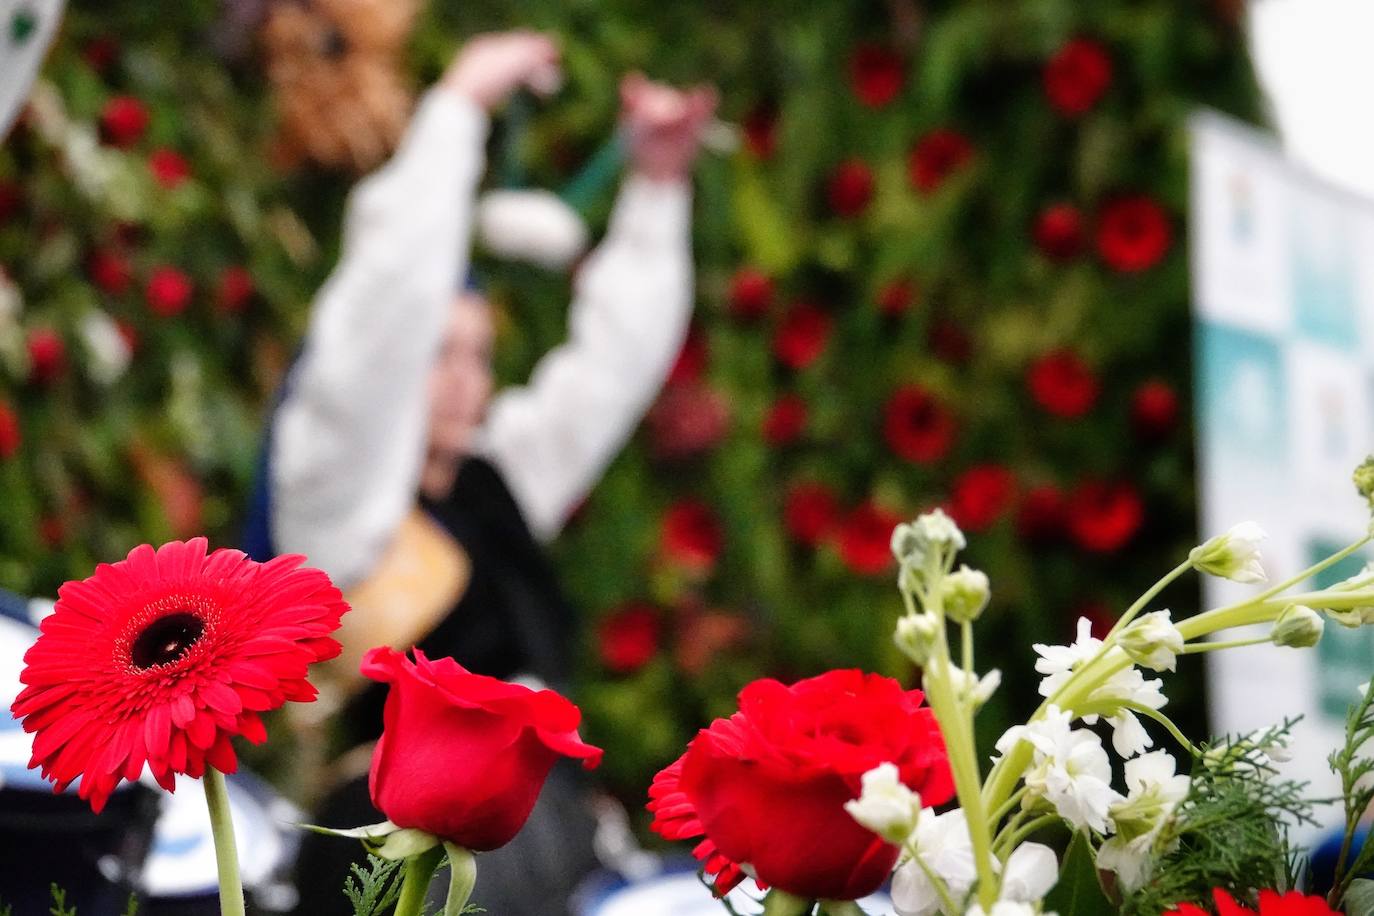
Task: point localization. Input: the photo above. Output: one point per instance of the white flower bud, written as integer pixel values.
(912, 542)
(106, 348)
(886, 806)
(1233, 555)
(1352, 617)
(965, 593)
(1298, 627)
(916, 635)
(1153, 641)
(971, 688)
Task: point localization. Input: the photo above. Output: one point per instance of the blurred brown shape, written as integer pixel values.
(336, 72)
(701, 635)
(179, 494)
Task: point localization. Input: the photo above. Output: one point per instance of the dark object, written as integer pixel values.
(1323, 865)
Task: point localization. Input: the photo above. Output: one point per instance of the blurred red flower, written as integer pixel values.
(875, 73)
(785, 420)
(703, 636)
(123, 120)
(688, 419)
(1271, 903)
(751, 293)
(1133, 233)
(981, 495)
(1154, 410)
(850, 188)
(802, 335)
(100, 53)
(936, 156)
(1062, 384)
(917, 427)
(234, 289)
(1040, 517)
(690, 536)
(1103, 517)
(47, 355)
(628, 637)
(11, 436)
(168, 167)
(810, 512)
(110, 271)
(1077, 76)
(950, 342)
(168, 291)
(690, 364)
(761, 131)
(11, 198)
(1059, 232)
(896, 297)
(865, 539)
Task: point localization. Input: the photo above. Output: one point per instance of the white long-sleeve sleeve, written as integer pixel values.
(553, 437)
(348, 440)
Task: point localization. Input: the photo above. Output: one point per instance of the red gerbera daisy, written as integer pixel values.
(850, 188)
(785, 420)
(1102, 517)
(1059, 232)
(169, 167)
(1077, 76)
(936, 156)
(865, 538)
(1063, 384)
(690, 365)
(917, 427)
(1271, 903)
(809, 512)
(751, 293)
(164, 657)
(1133, 234)
(802, 336)
(981, 495)
(628, 637)
(1154, 410)
(875, 73)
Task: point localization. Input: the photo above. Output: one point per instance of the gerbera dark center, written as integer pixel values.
(166, 640)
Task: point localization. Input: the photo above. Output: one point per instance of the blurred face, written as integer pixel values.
(460, 383)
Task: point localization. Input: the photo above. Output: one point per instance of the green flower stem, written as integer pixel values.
(966, 646)
(1149, 595)
(1014, 839)
(226, 852)
(419, 871)
(462, 876)
(1197, 648)
(941, 889)
(781, 903)
(1311, 571)
(1008, 805)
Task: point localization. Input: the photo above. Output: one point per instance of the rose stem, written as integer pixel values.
(462, 866)
(226, 853)
(419, 871)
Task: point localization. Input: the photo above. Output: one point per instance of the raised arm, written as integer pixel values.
(553, 437)
(349, 436)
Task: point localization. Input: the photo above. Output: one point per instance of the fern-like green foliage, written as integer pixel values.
(131, 908)
(1356, 770)
(1230, 830)
(373, 890)
(59, 902)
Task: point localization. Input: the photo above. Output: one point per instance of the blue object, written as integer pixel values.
(1328, 851)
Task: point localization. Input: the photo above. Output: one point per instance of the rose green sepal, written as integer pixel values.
(384, 840)
(841, 908)
(462, 876)
(781, 903)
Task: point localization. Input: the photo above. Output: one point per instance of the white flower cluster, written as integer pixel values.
(1233, 555)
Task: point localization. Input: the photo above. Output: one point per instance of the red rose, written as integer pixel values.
(10, 434)
(689, 419)
(169, 291)
(981, 495)
(751, 293)
(234, 289)
(47, 355)
(896, 298)
(1154, 410)
(761, 131)
(1040, 517)
(168, 167)
(123, 120)
(1059, 232)
(1103, 517)
(936, 156)
(110, 271)
(768, 786)
(1063, 384)
(628, 638)
(950, 342)
(1271, 903)
(691, 537)
(690, 364)
(785, 421)
(866, 539)
(463, 756)
(850, 188)
(1133, 234)
(809, 512)
(916, 426)
(1077, 76)
(875, 73)
(802, 335)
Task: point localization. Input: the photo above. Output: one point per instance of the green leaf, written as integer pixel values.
(1078, 893)
(370, 832)
(1359, 900)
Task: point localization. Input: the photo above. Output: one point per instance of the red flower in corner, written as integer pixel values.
(802, 336)
(916, 426)
(1077, 76)
(768, 785)
(809, 512)
(1103, 517)
(1271, 903)
(866, 539)
(691, 536)
(164, 657)
(936, 156)
(1133, 234)
(875, 73)
(850, 188)
(628, 637)
(981, 495)
(785, 420)
(751, 293)
(169, 292)
(1063, 384)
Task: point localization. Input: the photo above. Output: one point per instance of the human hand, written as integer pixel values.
(664, 125)
(489, 68)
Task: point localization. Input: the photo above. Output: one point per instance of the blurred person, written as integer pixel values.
(392, 463)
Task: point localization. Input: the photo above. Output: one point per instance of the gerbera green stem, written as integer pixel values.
(462, 866)
(419, 871)
(226, 853)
